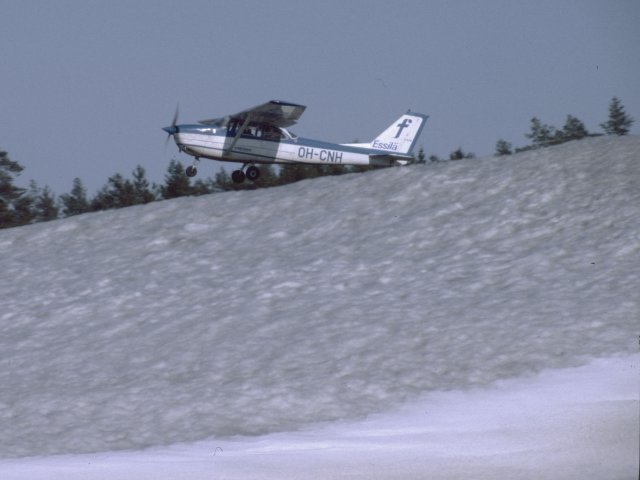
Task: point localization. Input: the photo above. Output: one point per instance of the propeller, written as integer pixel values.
(173, 129)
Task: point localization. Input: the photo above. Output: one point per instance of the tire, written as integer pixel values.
(237, 176)
(253, 173)
(191, 171)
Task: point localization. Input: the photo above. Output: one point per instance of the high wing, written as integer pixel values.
(275, 112)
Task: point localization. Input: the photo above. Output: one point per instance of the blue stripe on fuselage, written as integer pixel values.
(319, 144)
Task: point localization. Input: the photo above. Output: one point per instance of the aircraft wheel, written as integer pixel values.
(253, 173)
(237, 176)
(191, 171)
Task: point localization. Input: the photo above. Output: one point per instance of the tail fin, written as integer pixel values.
(402, 135)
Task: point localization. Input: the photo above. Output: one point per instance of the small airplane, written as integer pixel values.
(259, 135)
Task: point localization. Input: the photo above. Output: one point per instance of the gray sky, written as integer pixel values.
(87, 85)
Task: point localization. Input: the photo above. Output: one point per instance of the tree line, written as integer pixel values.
(543, 135)
(22, 206)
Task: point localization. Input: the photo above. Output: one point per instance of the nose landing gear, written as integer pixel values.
(191, 170)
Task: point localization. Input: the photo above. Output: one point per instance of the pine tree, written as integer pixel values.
(619, 122)
(422, 157)
(121, 191)
(118, 193)
(223, 180)
(459, 154)
(142, 189)
(23, 213)
(75, 202)
(573, 129)
(124, 191)
(177, 184)
(102, 200)
(44, 206)
(204, 187)
(542, 135)
(15, 206)
(503, 148)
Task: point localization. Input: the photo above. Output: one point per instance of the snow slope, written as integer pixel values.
(564, 423)
(332, 300)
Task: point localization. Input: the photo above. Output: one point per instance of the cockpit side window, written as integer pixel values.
(252, 131)
(272, 133)
(255, 130)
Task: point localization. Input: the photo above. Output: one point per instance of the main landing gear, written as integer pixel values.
(252, 174)
(238, 176)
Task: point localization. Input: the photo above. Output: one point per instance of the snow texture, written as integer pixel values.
(258, 313)
(569, 424)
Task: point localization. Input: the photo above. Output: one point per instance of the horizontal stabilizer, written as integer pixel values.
(388, 160)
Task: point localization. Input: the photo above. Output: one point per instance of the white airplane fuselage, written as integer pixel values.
(283, 147)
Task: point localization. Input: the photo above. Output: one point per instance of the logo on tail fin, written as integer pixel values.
(401, 126)
(401, 135)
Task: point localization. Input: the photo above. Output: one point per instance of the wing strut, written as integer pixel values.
(239, 133)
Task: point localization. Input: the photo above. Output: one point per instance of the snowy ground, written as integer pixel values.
(338, 327)
(567, 424)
